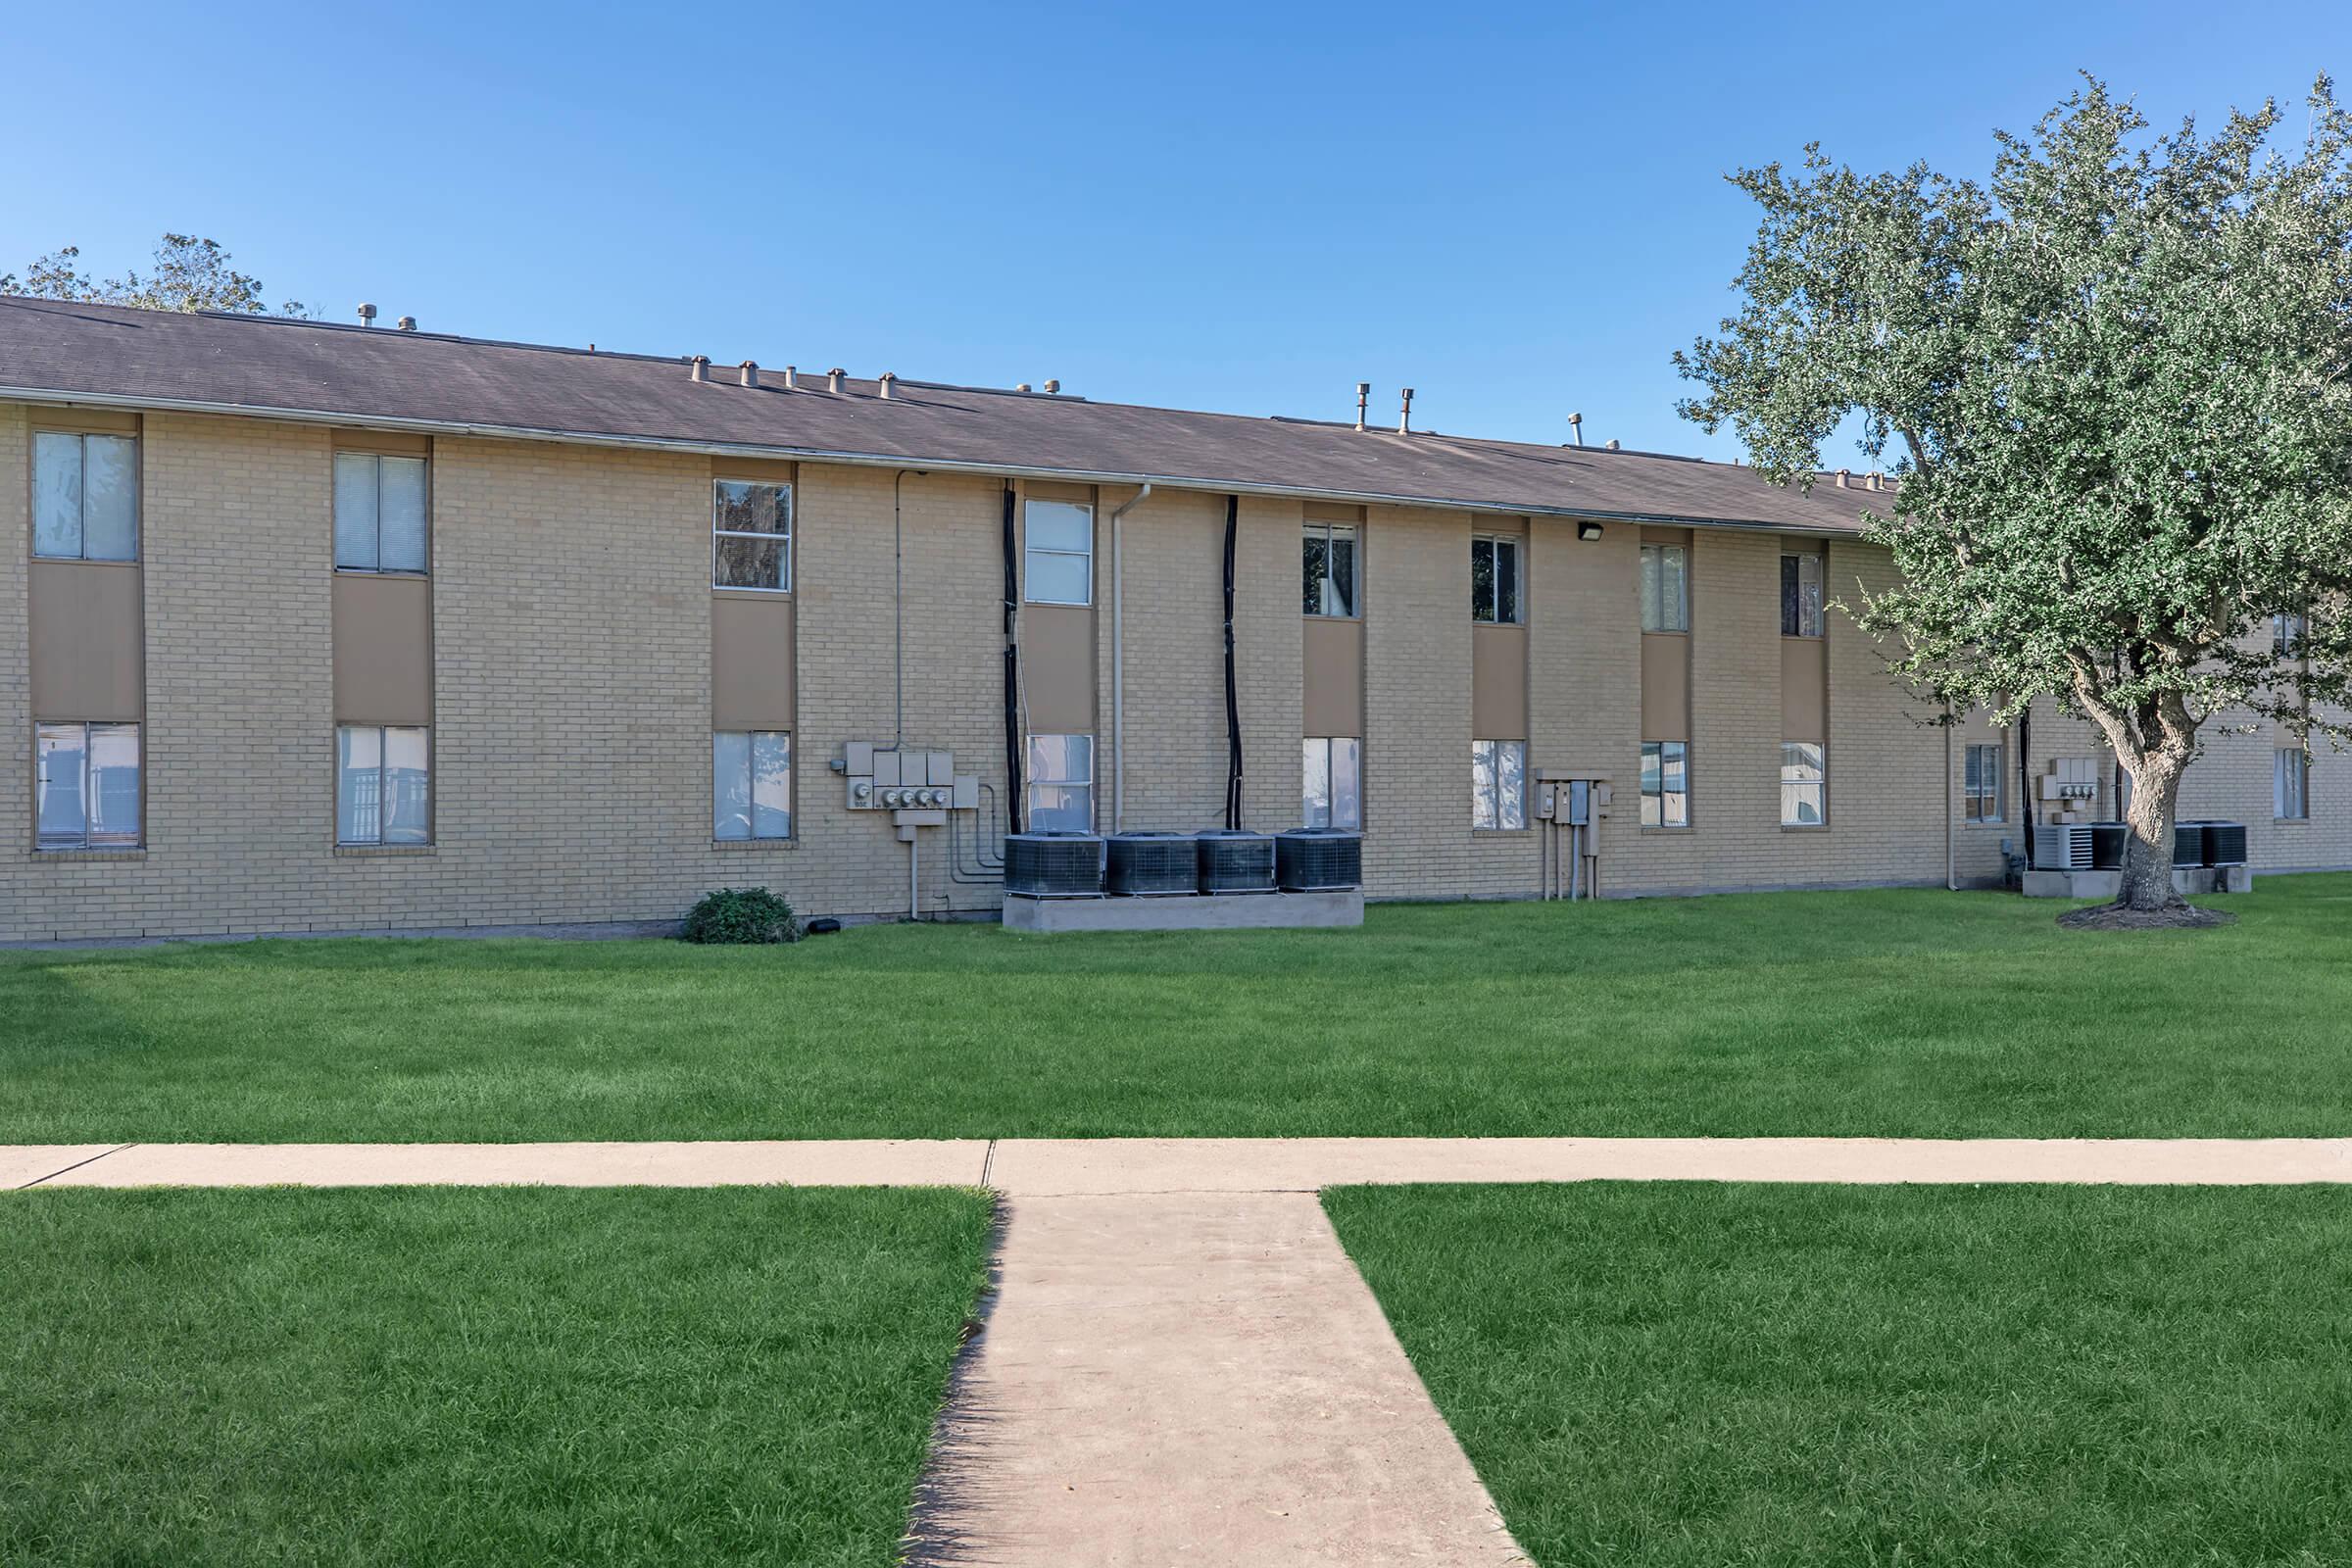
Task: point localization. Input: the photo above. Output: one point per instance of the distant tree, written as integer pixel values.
(2120, 380)
(189, 274)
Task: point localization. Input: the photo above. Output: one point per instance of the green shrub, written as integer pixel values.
(742, 914)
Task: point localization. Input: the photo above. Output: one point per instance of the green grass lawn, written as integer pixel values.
(515, 1375)
(1695, 1376)
(1916, 1012)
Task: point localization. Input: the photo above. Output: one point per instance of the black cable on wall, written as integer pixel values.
(1014, 794)
(1233, 706)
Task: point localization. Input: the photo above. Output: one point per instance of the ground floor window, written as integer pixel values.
(86, 786)
(1665, 784)
(383, 784)
(1981, 784)
(1061, 783)
(750, 784)
(1332, 788)
(1499, 784)
(2290, 783)
(1805, 784)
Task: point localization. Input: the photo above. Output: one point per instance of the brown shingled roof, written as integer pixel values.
(52, 351)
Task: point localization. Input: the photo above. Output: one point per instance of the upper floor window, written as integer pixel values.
(379, 513)
(1328, 555)
(1061, 783)
(1981, 784)
(2286, 635)
(750, 784)
(1331, 783)
(86, 495)
(86, 786)
(750, 536)
(1494, 582)
(1062, 552)
(1499, 784)
(1800, 594)
(383, 784)
(1665, 588)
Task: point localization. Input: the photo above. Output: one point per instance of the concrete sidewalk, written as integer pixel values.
(1065, 1168)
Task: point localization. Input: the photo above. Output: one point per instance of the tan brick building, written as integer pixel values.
(314, 628)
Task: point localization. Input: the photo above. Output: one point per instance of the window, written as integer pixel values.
(1061, 783)
(1665, 784)
(750, 784)
(1328, 556)
(750, 528)
(383, 792)
(2290, 783)
(1495, 588)
(1665, 588)
(86, 495)
(1800, 595)
(1499, 784)
(1804, 783)
(2286, 635)
(86, 786)
(1331, 793)
(1981, 784)
(1062, 553)
(379, 513)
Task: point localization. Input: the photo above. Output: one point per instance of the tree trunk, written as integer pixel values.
(2148, 854)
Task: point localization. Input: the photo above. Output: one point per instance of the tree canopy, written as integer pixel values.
(2116, 382)
(189, 274)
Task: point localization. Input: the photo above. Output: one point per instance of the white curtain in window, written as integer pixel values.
(1062, 790)
(355, 524)
(771, 784)
(731, 785)
(358, 784)
(1060, 537)
(62, 789)
(407, 789)
(401, 513)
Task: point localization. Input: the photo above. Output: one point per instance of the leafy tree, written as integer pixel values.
(190, 275)
(2119, 381)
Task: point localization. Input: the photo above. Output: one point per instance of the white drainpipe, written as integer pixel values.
(1118, 669)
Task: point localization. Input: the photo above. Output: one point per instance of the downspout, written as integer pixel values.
(1951, 872)
(1233, 707)
(1013, 793)
(1118, 669)
(2024, 779)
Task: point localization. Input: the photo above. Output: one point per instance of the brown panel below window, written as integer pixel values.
(1332, 678)
(1498, 681)
(1665, 686)
(383, 649)
(1804, 688)
(87, 640)
(1057, 669)
(752, 668)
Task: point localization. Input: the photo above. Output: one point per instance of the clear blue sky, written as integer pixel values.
(1518, 211)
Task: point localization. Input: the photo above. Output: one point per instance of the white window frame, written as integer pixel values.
(783, 582)
(1652, 589)
(1795, 791)
(1325, 811)
(751, 833)
(383, 791)
(1657, 803)
(1326, 586)
(1035, 778)
(86, 787)
(1031, 549)
(2290, 784)
(81, 533)
(1974, 796)
(1811, 615)
(1494, 616)
(1488, 800)
(335, 502)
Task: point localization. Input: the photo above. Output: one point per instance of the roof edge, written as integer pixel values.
(886, 460)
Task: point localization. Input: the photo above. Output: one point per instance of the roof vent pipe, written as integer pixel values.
(1611, 445)
(1404, 420)
(1576, 427)
(367, 316)
(791, 378)
(1878, 481)
(698, 368)
(408, 323)
(1363, 397)
(1845, 478)
(749, 372)
(890, 380)
(1052, 387)
(1023, 387)
(833, 379)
